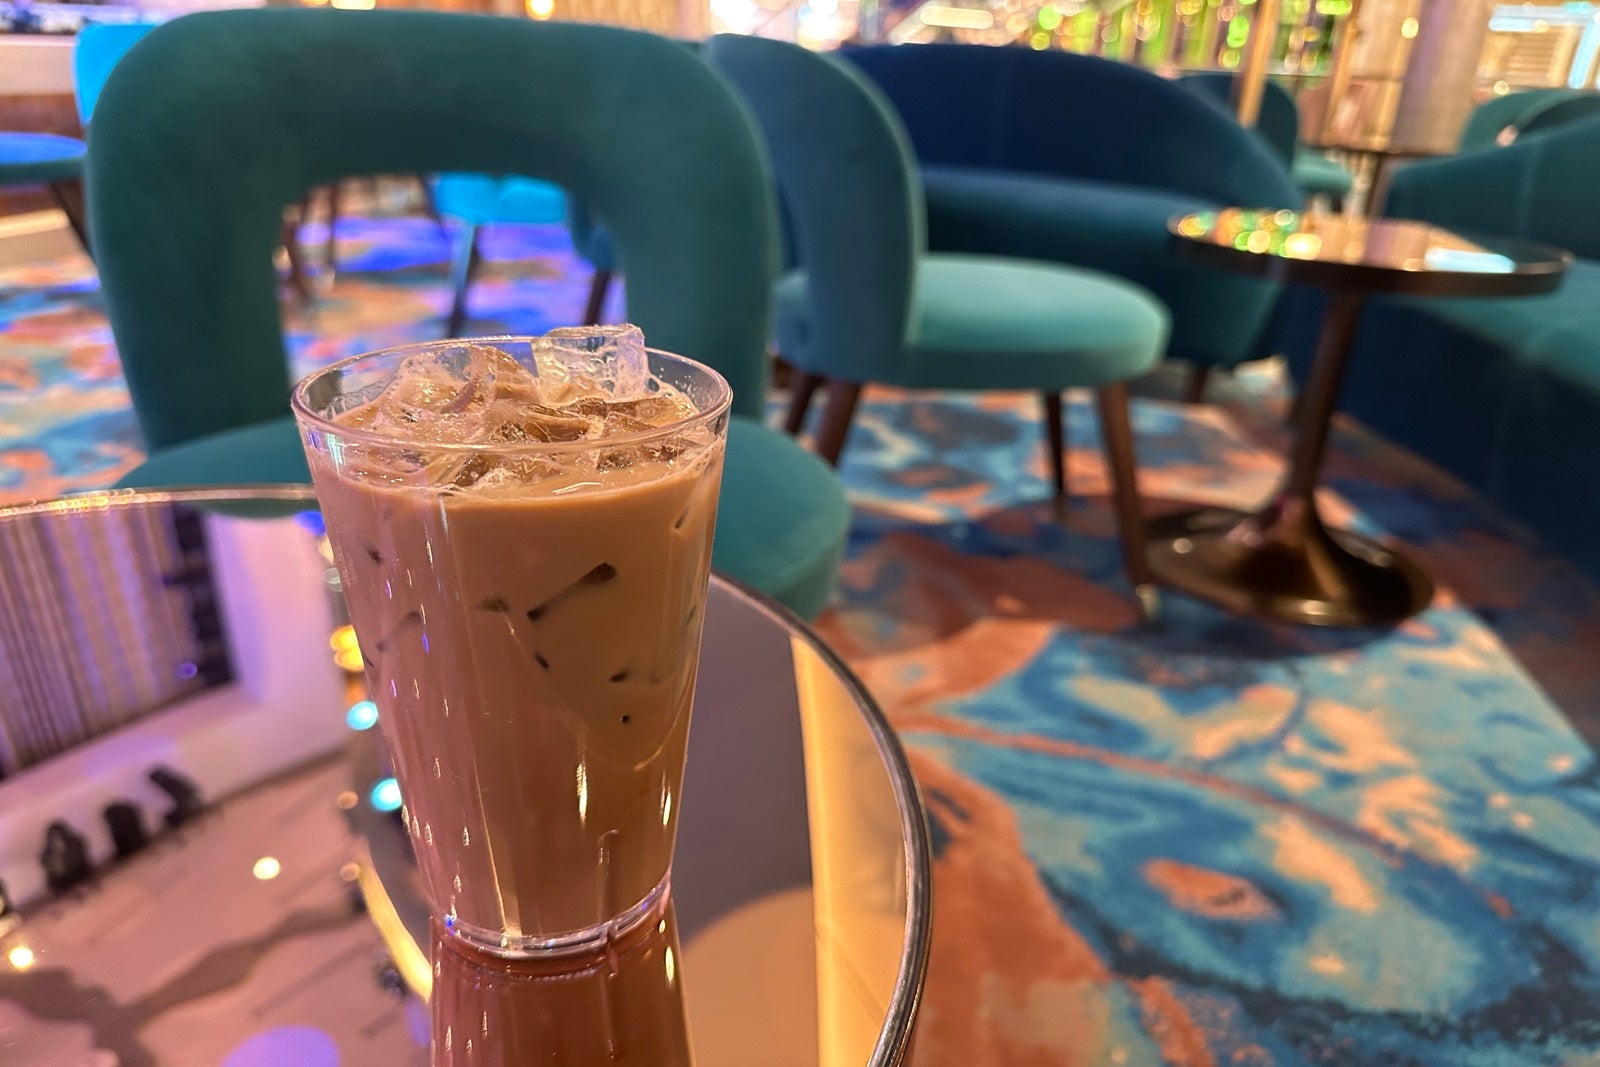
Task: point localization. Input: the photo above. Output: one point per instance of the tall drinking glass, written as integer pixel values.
(522, 528)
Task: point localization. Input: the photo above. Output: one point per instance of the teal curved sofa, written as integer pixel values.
(1279, 125)
(1081, 160)
(1504, 394)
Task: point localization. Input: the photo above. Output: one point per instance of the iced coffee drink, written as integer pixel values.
(523, 534)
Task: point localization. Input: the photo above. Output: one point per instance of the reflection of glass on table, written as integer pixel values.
(800, 888)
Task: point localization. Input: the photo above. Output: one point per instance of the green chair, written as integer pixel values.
(186, 215)
(868, 303)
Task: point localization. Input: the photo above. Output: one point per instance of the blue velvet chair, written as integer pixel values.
(1504, 394)
(1279, 125)
(186, 215)
(867, 303)
(1081, 160)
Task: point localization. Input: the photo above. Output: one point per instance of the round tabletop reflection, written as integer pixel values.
(1368, 254)
(163, 642)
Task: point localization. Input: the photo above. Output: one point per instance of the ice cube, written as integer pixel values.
(592, 361)
(444, 395)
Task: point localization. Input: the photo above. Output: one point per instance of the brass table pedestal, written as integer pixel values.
(1282, 562)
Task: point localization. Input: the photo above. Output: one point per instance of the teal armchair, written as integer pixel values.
(187, 213)
(867, 303)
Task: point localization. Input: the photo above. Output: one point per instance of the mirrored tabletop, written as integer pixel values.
(1371, 254)
(202, 859)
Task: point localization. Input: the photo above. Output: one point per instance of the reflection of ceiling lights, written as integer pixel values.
(956, 18)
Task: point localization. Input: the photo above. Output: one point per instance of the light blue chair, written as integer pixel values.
(477, 200)
(55, 161)
(51, 160)
(868, 303)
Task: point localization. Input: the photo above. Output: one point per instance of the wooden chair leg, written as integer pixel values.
(330, 254)
(1194, 389)
(69, 197)
(299, 281)
(599, 285)
(801, 390)
(1117, 430)
(463, 264)
(841, 408)
(1055, 444)
(430, 205)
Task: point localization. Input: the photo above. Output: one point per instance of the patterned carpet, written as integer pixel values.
(1205, 843)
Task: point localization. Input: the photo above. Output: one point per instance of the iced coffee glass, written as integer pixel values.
(522, 528)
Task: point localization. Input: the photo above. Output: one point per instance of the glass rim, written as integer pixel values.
(299, 403)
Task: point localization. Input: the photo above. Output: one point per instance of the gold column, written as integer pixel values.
(1251, 81)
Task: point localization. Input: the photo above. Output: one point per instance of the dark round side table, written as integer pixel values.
(1281, 562)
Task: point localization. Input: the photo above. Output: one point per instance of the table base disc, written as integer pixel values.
(1259, 566)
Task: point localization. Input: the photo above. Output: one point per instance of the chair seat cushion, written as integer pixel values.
(782, 520)
(780, 527)
(265, 453)
(1318, 175)
(1120, 229)
(26, 158)
(480, 199)
(984, 322)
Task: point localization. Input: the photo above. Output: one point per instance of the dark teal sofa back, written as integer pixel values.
(1071, 116)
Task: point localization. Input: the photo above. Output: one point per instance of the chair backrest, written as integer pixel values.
(1558, 112)
(1279, 121)
(847, 179)
(1075, 116)
(1495, 114)
(99, 48)
(1539, 187)
(216, 121)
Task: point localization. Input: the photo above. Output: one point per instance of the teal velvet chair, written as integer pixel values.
(278, 101)
(1491, 120)
(867, 302)
(1503, 394)
(99, 48)
(1557, 112)
(1083, 160)
(1279, 126)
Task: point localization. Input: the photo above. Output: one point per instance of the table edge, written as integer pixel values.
(1545, 277)
(895, 1038)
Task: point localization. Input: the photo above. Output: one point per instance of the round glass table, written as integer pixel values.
(202, 860)
(1280, 561)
